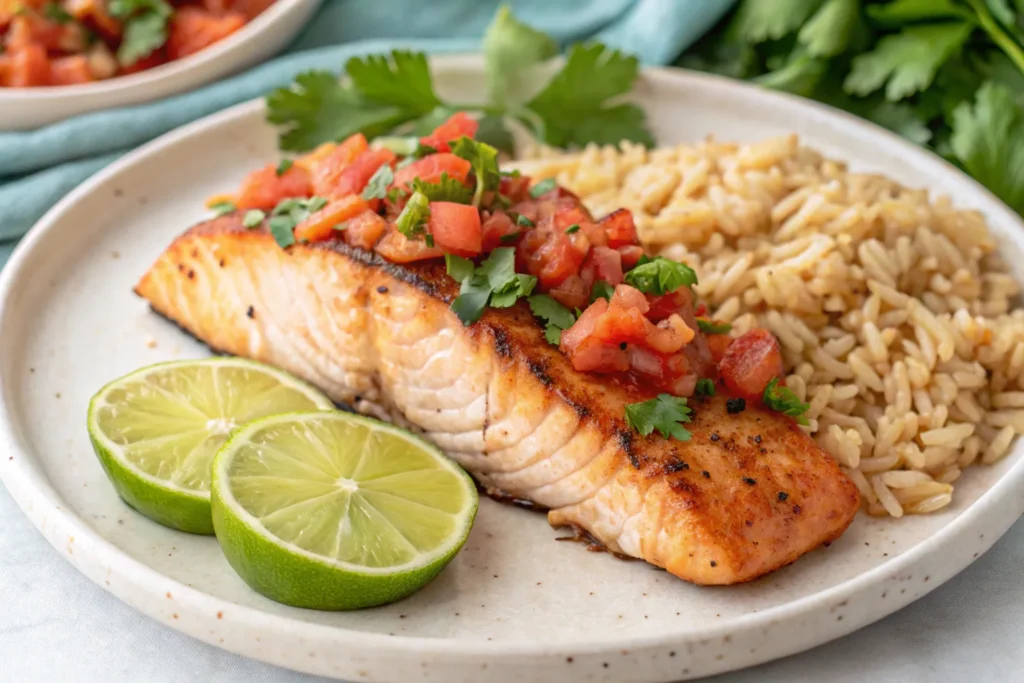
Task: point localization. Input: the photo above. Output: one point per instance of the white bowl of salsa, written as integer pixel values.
(69, 57)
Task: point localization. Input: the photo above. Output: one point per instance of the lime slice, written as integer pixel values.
(156, 430)
(335, 511)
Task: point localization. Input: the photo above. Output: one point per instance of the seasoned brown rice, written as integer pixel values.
(896, 316)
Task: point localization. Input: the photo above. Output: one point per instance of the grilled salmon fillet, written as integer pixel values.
(747, 494)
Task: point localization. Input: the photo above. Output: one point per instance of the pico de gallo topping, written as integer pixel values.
(608, 306)
(68, 42)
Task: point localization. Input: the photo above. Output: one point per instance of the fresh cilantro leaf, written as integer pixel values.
(143, 34)
(988, 141)
(829, 31)
(283, 167)
(1002, 11)
(705, 387)
(510, 49)
(447, 189)
(223, 208)
(520, 286)
(492, 130)
(757, 21)
(660, 276)
(317, 108)
(413, 217)
(494, 281)
(253, 217)
(281, 228)
(711, 327)
(601, 290)
(572, 107)
(429, 240)
(459, 268)
(377, 187)
(781, 398)
(543, 187)
(57, 14)
(401, 80)
(665, 413)
(901, 12)
(900, 118)
(575, 227)
(524, 222)
(799, 76)
(484, 159)
(509, 238)
(555, 316)
(906, 63)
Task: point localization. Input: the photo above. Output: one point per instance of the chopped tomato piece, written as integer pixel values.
(456, 228)
(455, 127)
(585, 351)
(397, 248)
(574, 292)
(193, 29)
(263, 189)
(32, 29)
(631, 255)
(750, 362)
(670, 335)
(604, 264)
(5, 70)
(320, 225)
(70, 70)
(516, 189)
(153, 60)
(29, 66)
(429, 169)
(94, 14)
(356, 175)
(327, 175)
(620, 228)
(550, 255)
(365, 230)
(499, 231)
(667, 304)
(718, 344)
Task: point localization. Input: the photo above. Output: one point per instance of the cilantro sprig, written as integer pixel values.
(948, 74)
(447, 189)
(666, 413)
(395, 92)
(557, 318)
(782, 399)
(711, 327)
(287, 214)
(145, 27)
(493, 283)
(660, 275)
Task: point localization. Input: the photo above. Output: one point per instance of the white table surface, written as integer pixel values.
(57, 626)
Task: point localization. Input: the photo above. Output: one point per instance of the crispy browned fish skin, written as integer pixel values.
(749, 493)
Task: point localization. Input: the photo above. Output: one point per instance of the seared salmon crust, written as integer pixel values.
(748, 493)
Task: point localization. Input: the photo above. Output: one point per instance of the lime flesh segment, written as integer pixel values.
(156, 430)
(334, 511)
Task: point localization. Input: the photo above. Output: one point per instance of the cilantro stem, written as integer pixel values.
(989, 24)
(485, 108)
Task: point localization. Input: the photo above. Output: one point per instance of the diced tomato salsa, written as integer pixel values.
(69, 42)
(627, 325)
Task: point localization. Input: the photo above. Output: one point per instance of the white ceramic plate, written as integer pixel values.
(263, 37)
(515, 605)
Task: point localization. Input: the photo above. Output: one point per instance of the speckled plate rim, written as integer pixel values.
(938, 558)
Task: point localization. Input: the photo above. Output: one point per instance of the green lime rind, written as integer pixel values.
(293, 576)
(162, 501)
(171, 506)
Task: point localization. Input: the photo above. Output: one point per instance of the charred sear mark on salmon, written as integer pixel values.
(675, 466)
(501, 345)
(539, 370)
(250, 312)
(213, 350)
(582, 411)
(428, 282)
(626, 444)
(500, 496)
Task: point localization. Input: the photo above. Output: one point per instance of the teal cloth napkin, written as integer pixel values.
(39, 167)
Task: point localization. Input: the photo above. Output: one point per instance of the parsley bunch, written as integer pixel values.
(380, 94)
(948, 74)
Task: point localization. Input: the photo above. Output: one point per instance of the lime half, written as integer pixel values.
(156, 430)
(334, 511)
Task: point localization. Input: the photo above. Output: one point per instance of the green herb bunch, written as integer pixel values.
(947, 74)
